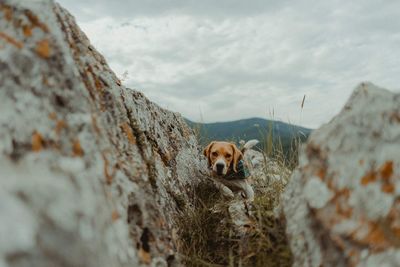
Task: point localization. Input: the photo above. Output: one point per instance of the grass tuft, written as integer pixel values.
(268, 243)
(200, 243)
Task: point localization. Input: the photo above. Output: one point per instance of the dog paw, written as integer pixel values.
(226, 192)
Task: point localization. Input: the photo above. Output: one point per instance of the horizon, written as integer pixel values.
(251, 118)
(223, 61)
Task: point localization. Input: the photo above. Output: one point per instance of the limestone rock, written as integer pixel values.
(91, 173)
(342, 203)
(264, 169)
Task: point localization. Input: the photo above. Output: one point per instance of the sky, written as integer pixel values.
(222, 60)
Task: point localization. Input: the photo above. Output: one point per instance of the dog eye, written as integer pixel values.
(228, 156)
(215, 154)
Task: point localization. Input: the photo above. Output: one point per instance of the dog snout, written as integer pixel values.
(220, 168)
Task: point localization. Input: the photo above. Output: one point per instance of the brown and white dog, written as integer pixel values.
(223, 159)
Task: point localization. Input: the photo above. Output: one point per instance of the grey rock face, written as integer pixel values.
(342, 203)
(91, 173)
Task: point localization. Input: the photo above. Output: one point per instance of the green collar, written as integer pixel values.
(242, 172)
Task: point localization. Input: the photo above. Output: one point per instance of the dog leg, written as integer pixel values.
(248, 192)
(226, 192)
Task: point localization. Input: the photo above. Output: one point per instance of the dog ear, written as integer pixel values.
(237, 156)
(206, 152)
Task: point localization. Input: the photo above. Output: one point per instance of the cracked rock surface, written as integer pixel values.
(91, 173)
(342, 203)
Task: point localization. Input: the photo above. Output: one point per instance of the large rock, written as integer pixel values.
(342, 203)
(91, 173)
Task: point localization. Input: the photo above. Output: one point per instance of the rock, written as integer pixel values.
(342, 203)
(264, 169)
(92, 173)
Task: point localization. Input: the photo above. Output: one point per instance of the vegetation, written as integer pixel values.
(207, 235)
(208, 239)
(278, 139)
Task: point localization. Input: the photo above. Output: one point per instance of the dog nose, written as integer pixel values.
(220, 167)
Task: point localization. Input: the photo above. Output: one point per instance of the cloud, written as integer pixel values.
(132, 8)
(222, 60)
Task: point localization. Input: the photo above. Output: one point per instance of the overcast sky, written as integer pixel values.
(219, 60)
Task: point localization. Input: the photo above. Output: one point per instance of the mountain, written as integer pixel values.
(271, 134)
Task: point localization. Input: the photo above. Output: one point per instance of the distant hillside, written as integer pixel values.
(253, 128)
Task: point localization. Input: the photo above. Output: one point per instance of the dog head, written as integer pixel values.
(222, 156)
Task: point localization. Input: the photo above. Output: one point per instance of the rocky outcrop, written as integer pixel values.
(342, 203)
(91, 173)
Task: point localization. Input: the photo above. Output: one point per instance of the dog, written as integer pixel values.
(227, 167)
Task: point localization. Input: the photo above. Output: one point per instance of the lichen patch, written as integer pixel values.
(43, 48)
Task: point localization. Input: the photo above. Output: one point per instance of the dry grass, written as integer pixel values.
(268, 243)
(208, 238)
(200, 241)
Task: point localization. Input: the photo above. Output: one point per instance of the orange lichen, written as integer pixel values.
(321, 173)
(37, 142)
(128, 131)
(27, 30)
(341, 203)
(7, 10)
(43, 48)
(97, 83)
(77, 148)
(388, 188)
(344, 210)
(11, 40)
(7, 13)
(386, 170)
(345, 192)
(59, 126)
(368, 178)
(35, 21)
(115, 215)
(376, 237)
